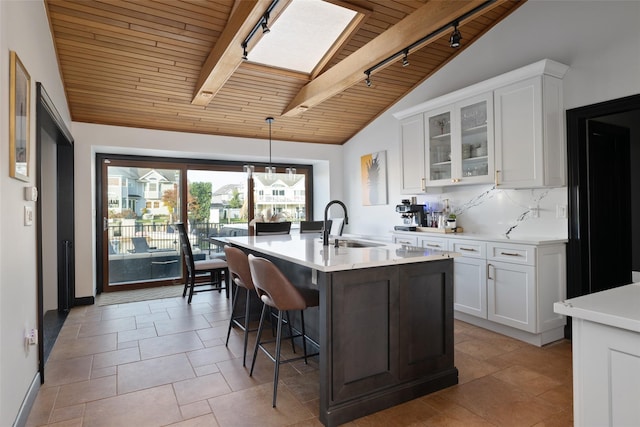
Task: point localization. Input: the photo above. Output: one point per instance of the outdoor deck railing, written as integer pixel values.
(162, 235)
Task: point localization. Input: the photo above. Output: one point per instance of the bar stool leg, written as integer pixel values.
(293, 346)
(246, 325)
(304, 337)
(276, 369)
(255, 350)
(233, 309)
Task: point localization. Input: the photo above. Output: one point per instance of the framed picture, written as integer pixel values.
(373, 168)
(19, 114)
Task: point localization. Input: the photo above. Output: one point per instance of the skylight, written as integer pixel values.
(302, 35)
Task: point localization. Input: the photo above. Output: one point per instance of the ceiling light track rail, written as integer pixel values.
(404, 52)
(263, 23)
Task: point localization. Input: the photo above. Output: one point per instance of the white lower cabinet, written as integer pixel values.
(402, 239)
(434, 243)
(511, 293)
(470, 286)
(470, 277)
(509, 288)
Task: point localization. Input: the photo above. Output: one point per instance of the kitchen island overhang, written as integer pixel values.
(385, 320)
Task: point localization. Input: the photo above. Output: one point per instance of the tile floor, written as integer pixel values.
(163, 362)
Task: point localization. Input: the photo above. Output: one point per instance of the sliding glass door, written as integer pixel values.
(140, 199)
(141, 202)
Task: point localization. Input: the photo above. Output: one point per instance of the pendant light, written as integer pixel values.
(269, 170)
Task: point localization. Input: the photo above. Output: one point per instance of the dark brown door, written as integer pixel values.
(609, 203)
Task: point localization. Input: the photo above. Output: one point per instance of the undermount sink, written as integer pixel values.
(358, 244)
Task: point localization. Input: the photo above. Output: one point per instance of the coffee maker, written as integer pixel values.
(412, 215)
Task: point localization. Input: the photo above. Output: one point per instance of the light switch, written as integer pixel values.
(28, 215)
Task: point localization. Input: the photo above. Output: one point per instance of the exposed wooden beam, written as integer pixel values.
(350, 71)
(226, 55)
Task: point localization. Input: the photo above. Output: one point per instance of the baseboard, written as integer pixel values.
(27, 403)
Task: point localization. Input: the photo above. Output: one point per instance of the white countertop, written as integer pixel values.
(307, 250)
(619, 307)
(523, 240)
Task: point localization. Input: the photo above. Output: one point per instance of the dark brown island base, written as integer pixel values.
(385, 321)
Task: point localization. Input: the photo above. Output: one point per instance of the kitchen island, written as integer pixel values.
(606, 356)
(385, 321)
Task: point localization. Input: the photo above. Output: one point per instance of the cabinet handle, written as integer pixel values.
(423, 184)
(509, 254)
(430, 245)
(468, 249)
(496, 178)
(489, 266)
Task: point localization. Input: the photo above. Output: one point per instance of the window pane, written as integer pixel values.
(143, 205)
(280, 197)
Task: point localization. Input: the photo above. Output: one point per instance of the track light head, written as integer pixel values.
(454, 40)
(245, 55)
(265, 23)
(405, 60)
(367, 81)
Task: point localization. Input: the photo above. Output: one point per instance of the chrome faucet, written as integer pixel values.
(325, 231)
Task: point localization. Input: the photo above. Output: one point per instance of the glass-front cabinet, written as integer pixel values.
(438, 124)
(460, 142)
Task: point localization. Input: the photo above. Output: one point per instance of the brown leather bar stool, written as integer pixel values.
(276, 291)
(240, 275)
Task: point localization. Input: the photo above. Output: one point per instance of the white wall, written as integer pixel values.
(23, 28)
(91, 139)
(599, 40)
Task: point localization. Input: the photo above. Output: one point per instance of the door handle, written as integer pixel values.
(105, 224)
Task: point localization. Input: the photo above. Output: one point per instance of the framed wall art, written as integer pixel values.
(19, 115)
(373, 169)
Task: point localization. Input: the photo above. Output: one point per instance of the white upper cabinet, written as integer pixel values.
(508, 130)
(412, 154)
(529, 134)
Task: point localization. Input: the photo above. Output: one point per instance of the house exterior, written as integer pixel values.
(598, 40)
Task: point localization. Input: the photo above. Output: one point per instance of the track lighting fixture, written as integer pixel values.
(263, 23)
(454, 40)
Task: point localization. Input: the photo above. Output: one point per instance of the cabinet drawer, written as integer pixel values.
(516, 254)
(468, 248)
(433, 243)
(405, 240)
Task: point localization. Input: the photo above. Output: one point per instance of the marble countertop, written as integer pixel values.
(307, 250)
(524, 240)
(618, 307)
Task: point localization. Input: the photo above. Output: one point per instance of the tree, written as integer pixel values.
(199, 206)
(170, 200)
(235, 201)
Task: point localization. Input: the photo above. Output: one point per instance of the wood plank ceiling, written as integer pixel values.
(137, 63)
